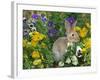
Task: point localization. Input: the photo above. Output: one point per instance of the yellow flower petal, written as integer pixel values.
(83, 32)
(84, 50)
(87, 43)
(34, 43)
(37, 62)
(35, 54)
(36, 33)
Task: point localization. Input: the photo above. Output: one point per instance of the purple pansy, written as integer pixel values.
(43, 17)
(35, 16)
(50, 24)
(71, 20)
(52, 32)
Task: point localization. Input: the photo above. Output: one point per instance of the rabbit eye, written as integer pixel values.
(72, 34)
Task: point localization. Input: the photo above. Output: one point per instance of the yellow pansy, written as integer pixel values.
(34, 43)
(37, 62)
(87, 43)
(38, 36)
(42, 36)
(36, 33)
(83, 32)
(84, 50)
(35, 54)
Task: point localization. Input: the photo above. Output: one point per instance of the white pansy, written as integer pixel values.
(33, 28)
(68, 61)
(74, 60)
(61, 63)
(75, 63)
(78, 51)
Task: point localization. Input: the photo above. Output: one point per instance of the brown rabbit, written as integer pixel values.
(61, 44)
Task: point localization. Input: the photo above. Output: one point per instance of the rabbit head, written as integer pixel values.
(72, 35)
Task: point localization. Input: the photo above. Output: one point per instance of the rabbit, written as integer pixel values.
(60, 45)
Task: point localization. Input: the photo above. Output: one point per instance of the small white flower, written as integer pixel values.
(61, 63)
(75, 63)
(74, 60)
(68, 60)
(33, 28)
(70, 44)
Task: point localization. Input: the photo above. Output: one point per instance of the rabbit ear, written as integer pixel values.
(74, 24)
(67, 27)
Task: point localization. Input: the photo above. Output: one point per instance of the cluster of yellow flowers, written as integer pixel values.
(38, 58)
(87, 44)
(36, 37)
(83, 32)
(35, 54)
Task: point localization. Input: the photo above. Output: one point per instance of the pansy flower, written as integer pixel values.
(71, 20)
(35, 16)
(52, 32)
(43, 18)
(50, 24)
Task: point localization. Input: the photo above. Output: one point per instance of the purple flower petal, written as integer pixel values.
(71, 20)
(35, 16)
(52, 32)
(44, 19)
(50, 24)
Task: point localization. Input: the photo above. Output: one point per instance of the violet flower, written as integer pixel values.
(35, 16)
(50, 24)
(52, 32)
(71, 20)
(43, 17)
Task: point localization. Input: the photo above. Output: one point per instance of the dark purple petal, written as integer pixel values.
(44, 19)
(35, 16)
(50, 24)
(52, 32)
(71, 20)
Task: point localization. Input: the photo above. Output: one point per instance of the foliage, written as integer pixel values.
(42, 28)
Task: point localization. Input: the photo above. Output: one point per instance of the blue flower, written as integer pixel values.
(71, 20)
(50, 24)
(35, 16)
(52, 32)
(43, 17)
